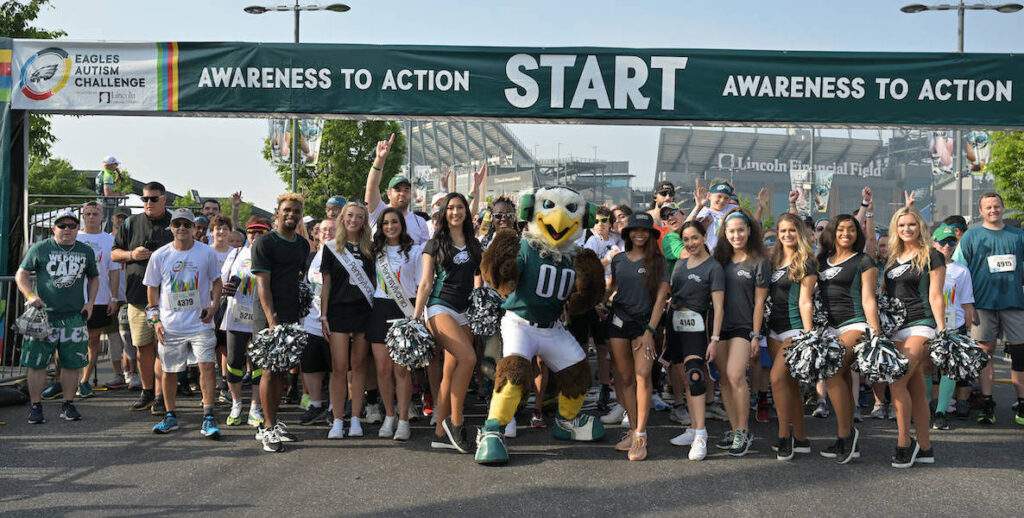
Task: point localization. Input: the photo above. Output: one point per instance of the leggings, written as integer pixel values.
(238, 343)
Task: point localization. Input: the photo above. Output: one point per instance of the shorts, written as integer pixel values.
(680, 345)
(316, 357)
(739, 332)
(785, 335)
(122, 317)
(99, 318)
(555, 345)
(179, 350)
(143, 333)
(70, 339)
(384, 311)
(903, 334)
(353, 320)
(856, 326)
(1007, 324)
(588, 325)
(438, 309)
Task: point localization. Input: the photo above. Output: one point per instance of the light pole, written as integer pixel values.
(296, 9)
(960, 8)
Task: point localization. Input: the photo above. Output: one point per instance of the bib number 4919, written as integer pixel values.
(551, 278)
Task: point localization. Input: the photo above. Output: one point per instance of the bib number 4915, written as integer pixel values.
(551, 278)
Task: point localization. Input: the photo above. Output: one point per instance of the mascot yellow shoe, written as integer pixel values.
(541, 275)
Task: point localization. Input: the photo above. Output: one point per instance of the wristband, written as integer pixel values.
(375, 168)
(868, 215)
(470, 197)
(862, 204)
(651, 329)
(714, 338)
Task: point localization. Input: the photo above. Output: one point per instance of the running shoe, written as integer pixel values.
(878, 412)
(373, 414)
(282, 432)
(614, 416)
(584, 427)
(511, 429)
(166, 425)
(764, 414)
(52, 391)
(387, 428)
(638, 450)
(223, 397)
(625, 442)
(537, 421)
(312, 414)
(35, 414)
(355, 427)
(821, 411)
(68, 412)
(255, 419)
(846, 449)
(784, 448)
(1018, 417)
(905, 457)
(402, 431)
(680, 415)
(116, 384)
(441, 443)
(337, 430)
(603, 398)
(85, 390)
(144, 402)
(726, 442)
(699, 448)
(456, 435)
(235, 417)
(158, 407)
(210, 430)
(716, 411)
(684, 439)
(987, 413)
(272, 442)
(490, 448)
(940, 421)
(135, 383)
(857, 417)
(801, 446)
(659, 405)
(741, 442)
(925, 456)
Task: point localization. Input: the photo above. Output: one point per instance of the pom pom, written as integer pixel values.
(409, 344)
(484, 311)
(879, 360)
(767, 309)
(305, 298)
(279, 348)
(820, 316)
(957, 356)
(891, 312)
(814, 356)
(34, 323)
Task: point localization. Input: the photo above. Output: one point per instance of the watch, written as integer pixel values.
(651, 329)
(755, 336)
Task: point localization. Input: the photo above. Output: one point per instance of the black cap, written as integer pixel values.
(638, 220)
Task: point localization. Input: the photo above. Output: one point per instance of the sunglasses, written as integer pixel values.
(602, 219)
(181, 223)
(820, 228)
(769, 241)
(949, 241)
(150, 199)
(503, 215)
(667, 192)
(67, 226)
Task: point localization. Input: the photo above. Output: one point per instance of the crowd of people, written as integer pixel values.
(179, 297)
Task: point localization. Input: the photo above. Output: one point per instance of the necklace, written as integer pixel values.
(68, 249)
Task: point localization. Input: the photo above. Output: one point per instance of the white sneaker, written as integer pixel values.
(373, 414)
(680, 415)
(433, 420)
(658, 404)
(699, 448)
(136, 382)
(127, 377)
(355, 428)
(388, 428)
(510, 429)
(402, 432)
(685, 438)
(337, 430)
(614, 415)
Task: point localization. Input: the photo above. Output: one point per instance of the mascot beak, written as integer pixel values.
(557, 225)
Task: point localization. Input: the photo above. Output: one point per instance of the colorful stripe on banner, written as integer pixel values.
(167, 76)
(6, 81)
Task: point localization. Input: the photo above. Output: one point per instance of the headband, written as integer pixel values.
(721, 188)
(738, 214)
(257, 226)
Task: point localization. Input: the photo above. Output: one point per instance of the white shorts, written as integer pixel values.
(907, 332)
(856, 326)
(438, 309)
(178, 351)
(784, 336)
(555, 345)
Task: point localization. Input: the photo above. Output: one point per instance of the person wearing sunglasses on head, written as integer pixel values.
(958, 290)
(664, 192)
(719, 203)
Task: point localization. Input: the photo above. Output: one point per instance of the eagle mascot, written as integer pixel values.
(543, 275)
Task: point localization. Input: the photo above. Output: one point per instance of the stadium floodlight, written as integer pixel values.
(1009, 8)
(255, 9)
(910, 9)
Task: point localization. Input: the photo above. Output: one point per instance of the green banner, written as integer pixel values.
(636, 86)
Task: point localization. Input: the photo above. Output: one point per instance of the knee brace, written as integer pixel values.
(515, 370)
(1016, 357)
(694, 370)
(574, 381)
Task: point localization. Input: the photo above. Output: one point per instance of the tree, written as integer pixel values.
(15, 17)
(1007, 166)
(55, 176)
(244, 211)
(346, 151)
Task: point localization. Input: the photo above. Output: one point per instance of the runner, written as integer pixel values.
(719, 200)
(183, 281)
(914, 274)
(594, 324)
(958, 292)
(106, 306)
(698, 299)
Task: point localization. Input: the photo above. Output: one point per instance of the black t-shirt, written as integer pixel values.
(344, 294)
(785, 297)
(138, 230)
(740, 281)
(286, 262)
(911, 285)
(692, 287)
(840, 289)
(454, 278)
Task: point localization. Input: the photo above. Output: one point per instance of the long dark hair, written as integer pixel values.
(699, 227)
(827, 241)
(755, 245)
(654, 262)
(443, 233)
(380, 241)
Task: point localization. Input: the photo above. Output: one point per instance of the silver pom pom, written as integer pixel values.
(820, 316)
(34, 323)
(957, 356)
(484, 311)
(879, 360)
(305, 298)
(278, 349)
(767, 309)
(814, 356)
(891, 312)
(409, 344)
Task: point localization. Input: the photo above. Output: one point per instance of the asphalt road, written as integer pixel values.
(111, 464)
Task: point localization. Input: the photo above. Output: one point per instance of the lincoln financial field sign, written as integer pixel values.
(732, 162)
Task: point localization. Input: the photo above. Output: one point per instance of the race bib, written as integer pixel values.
(184, 300)
(1002, 263)
(686, 321)
(241, 313)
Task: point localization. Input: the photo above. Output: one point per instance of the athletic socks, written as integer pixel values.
(207, 410)
(947, 387)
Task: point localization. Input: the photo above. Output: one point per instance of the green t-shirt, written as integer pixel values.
(995, 259)
(60, 275)
(543, 286)
(671, 248)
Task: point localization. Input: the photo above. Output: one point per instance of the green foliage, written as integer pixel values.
(347, 149)
(55, 176)
(15, 20)
(244, 211)
(185, 202)
(1007, 166)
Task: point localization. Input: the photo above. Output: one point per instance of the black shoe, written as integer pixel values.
(35, 414)
(603, 398)
(158, 408)
(940, 421)
(784, 448)
(803, 446)
(925, 457)
(741, 442)
(68, 412)
(456, 436)
(144, 402)
(987, 414)
(905, 457)
(312, 414)
(846, 447)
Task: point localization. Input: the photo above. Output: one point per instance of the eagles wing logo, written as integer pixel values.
(830, 273)
(695, 278)
(897, 271)
(461, 257)
(45, 73)
(778, 274)
(743, 273)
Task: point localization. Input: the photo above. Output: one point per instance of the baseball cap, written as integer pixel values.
(201, 220)
(943, 232)
(110, 160)
(669, 208)
(436, 198)
(186, 215)
(122, 211)
(721, 188)
(336, 200)
(398, 179)
(67, 214)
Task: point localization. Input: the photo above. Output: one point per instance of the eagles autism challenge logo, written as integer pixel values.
(45, 73)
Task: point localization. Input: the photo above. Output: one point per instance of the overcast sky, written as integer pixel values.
(217, 156)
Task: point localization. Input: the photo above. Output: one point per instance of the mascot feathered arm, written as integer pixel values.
(498, 266)
(589, 283)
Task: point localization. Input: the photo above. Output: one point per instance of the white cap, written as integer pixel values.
(435, 199)
(110, 160)
(66, 215)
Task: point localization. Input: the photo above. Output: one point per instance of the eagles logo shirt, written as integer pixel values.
(454, 279)
(840, 288)
(785, 295)
(692, 287)
(911, 285)
(543, 286)
(61, 272)
(740, 280)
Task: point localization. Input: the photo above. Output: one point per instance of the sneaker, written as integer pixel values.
(255, 419)
(1018, 417)
(940, 421)
(145, 401)
(857, 417)
(537, 421)
(925, 457)
(905, 457)
(167, 425)
(490, 448)
(584, 427)
(456, 435)
(764, 413)
(210, 430)
(223, 397)
(878, 412)
(625, 420)
(699, 448)
(511, 429)
(355, 427)
(312, 414)
(117, 383)
(68, 412)
(638, 451)
(680, 415)
(846, 450)
(987, 414)
(35, 414)
(135, 383)
(659, 405)
(784, 448)
(741, 442)
(801, 446)
(281, 430)
(614, 415)
(272, 442)
(603, 397)
(402, 431)
(387, 429)
(158, 407)
(821, 411)
(337, 430)
(625, 442)
(726, 441)
(373, 414)
(305, 401)
(441, 443)
(52, 391)
(235, 417)
(963, 410)
(684, 439)
(716, 411)
(85, 390)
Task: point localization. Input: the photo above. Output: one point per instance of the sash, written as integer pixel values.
(356, 276)
(391, 285)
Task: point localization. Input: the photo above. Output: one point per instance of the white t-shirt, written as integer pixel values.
(311, 324)
(238, 315)
(604, 248)
(185, 278)
(102, 243)
(957, 291)
(414, 225)
(716, 221)
(407, 270)
(221, 256)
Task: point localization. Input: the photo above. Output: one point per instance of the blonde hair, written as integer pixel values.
(803, 254)
(896, 246)
(290, 196)
(365, 241)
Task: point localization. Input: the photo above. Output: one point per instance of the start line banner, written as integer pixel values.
(606, 85)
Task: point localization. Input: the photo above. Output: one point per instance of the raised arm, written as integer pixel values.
(372, 195)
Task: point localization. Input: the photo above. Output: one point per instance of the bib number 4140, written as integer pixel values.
(551, 279)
